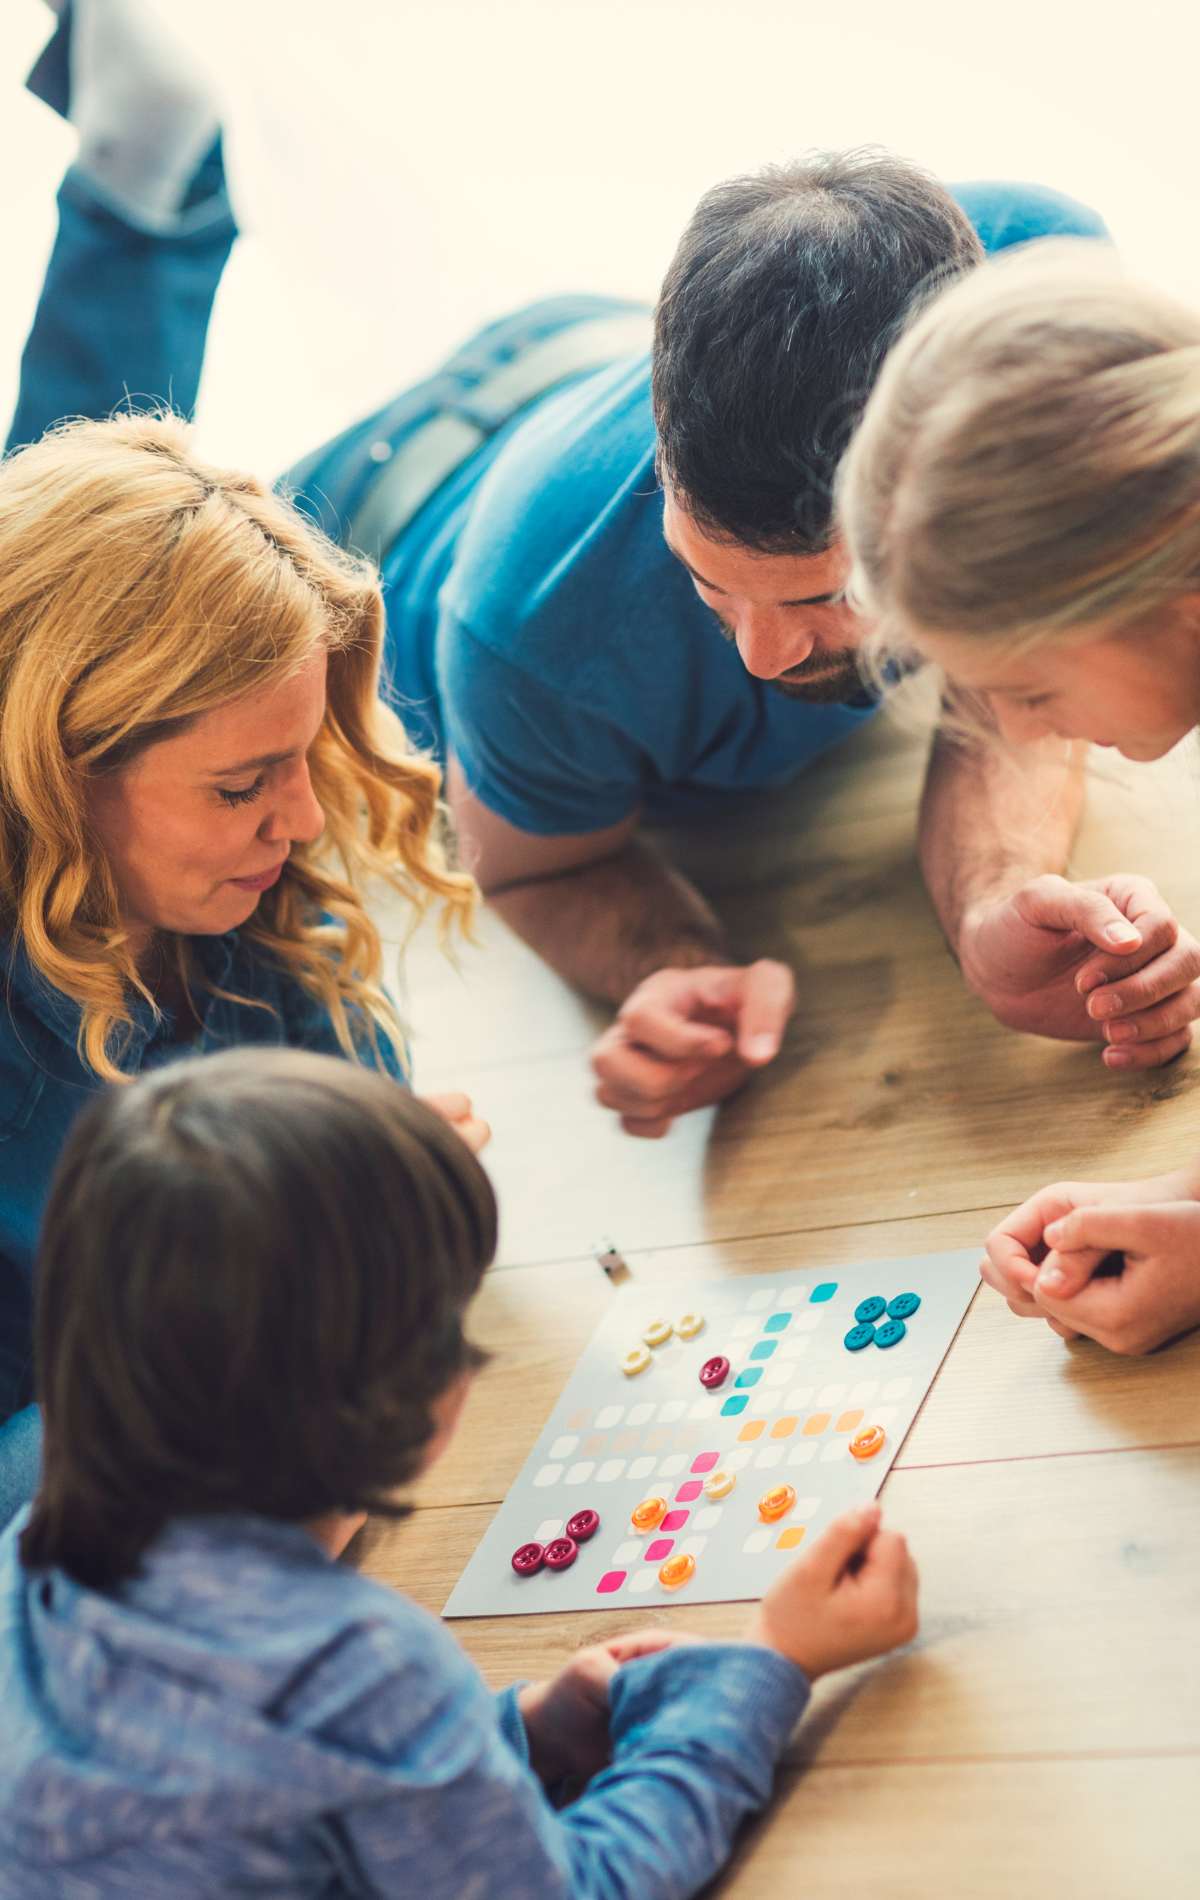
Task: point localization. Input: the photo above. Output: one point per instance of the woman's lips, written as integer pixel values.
(263, 881)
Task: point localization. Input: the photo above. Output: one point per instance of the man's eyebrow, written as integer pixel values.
(252, 765)
(805, 600)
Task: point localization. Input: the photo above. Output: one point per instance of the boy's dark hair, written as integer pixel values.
(774, 318)
(252, 1277)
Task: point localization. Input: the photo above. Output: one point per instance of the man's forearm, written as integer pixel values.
(607, 925)
(991, 819)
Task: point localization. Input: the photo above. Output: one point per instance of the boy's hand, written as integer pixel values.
(1156, 1294)
(459, 1111)
(1017, 1246)
(854, 1595)
(566, 1718)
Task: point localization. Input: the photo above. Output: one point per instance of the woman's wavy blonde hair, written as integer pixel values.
(1028, 466)
(140, 588)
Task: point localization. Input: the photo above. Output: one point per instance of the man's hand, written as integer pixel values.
(685, 1038)
(566, 1718)
(1102, 960)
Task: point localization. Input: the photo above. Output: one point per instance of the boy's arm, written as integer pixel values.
(695, 1732)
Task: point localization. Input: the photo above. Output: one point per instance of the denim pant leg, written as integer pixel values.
(1006, 213)
(123, 314)
(20, 1460)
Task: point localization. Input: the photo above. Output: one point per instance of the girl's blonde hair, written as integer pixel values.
(141, 588)
(1028, 464)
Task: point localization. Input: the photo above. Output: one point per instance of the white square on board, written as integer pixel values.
(641, 1467)
(691, 1546)
(808, 1319)
(897, 1388)
(610, 1469)
(885, 1415)
(640, 1414)
(776, 1374)
(549, 1474)
(764, 1297)
(673, 1409)
(608, 1416)
(579, 1474)
(703, 1408)
(806, 1507)
(793, 1346)
(768, 1456)
(831, 1394)
(864, 1390)
(802, 1454)
(738, 1458)
(795, 1295)
(705, 1519)
(742, 1328)
(673, 1465)
(757, 1540)
(551, 1528)
(625, 1553)
(763, 1403)
(836, 1448)
(799, 1397)
(563, 1447)
(643, 1580)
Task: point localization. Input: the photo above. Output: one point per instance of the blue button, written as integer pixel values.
(891, 1332)
(733, 1406)
(868, 1311)
(777, 1322)
(825, 1291)
(858, 1337)
(764, 1349)
(751, 1376)
(904, 1305)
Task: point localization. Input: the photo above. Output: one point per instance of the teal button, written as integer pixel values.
(868, 1311)
(777, 1322)
(858, 1337)
(904, 1305)
(890, 1333)
(751, 1376)
(764, 1349)
(825, 1291)
(733, 1406)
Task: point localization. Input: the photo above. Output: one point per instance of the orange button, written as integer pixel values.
(676, 1571)
(649, 1514)
(776, 1503)
(866, 1443)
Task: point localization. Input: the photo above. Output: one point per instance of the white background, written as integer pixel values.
(406, 170)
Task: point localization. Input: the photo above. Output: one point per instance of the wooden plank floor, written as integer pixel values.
(1042, 1737)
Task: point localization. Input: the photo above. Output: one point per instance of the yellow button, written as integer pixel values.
(690, 1325)
(635, 1360)
(676, 1571)
(776, 1503)
(649, 1514)
(866, 1443)
(658, 1332)
(720, 1484)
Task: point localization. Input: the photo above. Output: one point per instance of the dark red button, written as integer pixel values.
(561, 1554)
(528, 1560)
(583, 1525)
(714, 1372)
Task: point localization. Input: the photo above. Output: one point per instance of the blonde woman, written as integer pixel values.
(197, 777)
(1022, 506)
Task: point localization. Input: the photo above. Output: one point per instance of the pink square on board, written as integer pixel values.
(705, 1461)
(661, 1547)
(610, 1581)
(690, 1490)
(674, 1520)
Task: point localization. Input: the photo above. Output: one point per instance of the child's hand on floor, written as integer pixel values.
(853, 1596)
(566, 1718)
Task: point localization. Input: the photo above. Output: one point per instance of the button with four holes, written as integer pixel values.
(561, 1554)
(904, 1305)
(528, 1560)
(714, 1372)
(890, 1333)
(583, 1525)
(858, 1337)
(868, 1311)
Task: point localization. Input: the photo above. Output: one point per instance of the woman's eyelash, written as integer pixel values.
(242, 798)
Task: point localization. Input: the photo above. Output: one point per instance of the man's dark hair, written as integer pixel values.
(252, 1277)
(774, 318)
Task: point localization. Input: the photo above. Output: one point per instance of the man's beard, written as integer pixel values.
(835, 687)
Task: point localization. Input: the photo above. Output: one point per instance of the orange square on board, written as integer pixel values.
(788, 1539)
(784, 1427)
(848, 1421)
(815, 1424)
(753, 1430)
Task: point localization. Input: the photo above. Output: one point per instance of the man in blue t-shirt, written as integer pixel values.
(614, 593)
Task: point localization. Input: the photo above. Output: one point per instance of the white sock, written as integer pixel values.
(145, 116)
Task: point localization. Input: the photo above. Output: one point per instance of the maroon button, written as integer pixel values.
(561, 1554)
(583, 1525)
(528, 1560)
(714, 1372)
